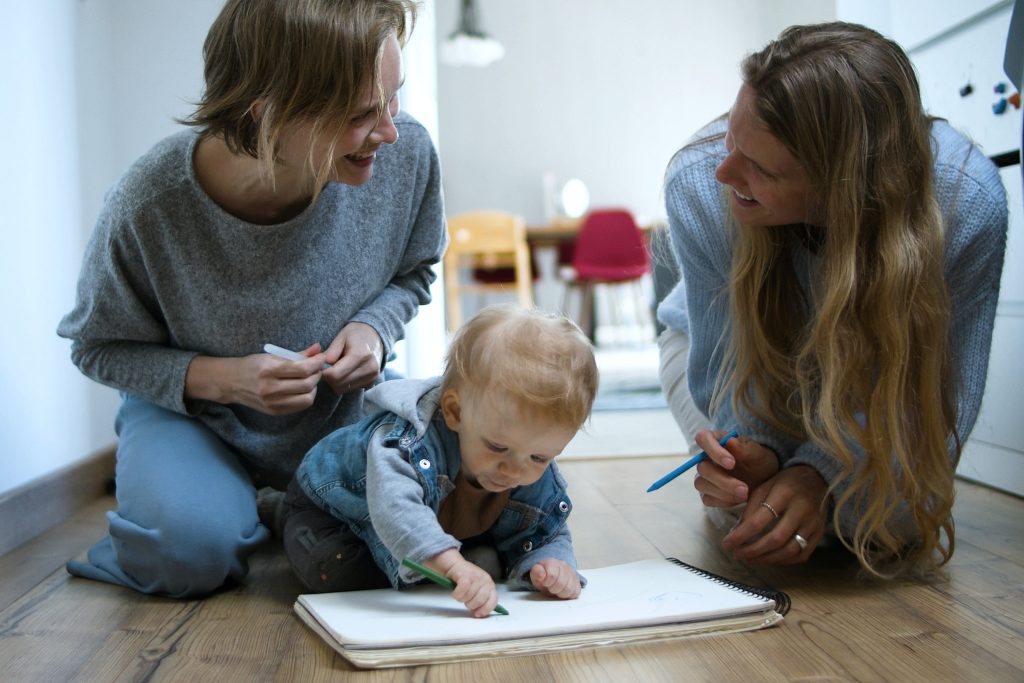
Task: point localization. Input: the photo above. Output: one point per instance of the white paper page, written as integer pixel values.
(639, 593)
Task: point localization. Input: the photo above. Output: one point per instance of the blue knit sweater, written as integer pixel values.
(973, 203)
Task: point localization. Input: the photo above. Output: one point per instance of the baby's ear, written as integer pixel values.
(451, 408)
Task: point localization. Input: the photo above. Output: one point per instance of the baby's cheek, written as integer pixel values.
(535, 475)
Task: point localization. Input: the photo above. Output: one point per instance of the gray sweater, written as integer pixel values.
(169, 275)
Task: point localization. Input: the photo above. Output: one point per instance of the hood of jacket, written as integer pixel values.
(414, 400)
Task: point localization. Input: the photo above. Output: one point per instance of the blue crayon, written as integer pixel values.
(700, 457)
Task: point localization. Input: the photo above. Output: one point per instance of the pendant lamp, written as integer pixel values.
(469, 45)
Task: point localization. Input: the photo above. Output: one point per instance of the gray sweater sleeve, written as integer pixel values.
(406, 525)
(119, 335)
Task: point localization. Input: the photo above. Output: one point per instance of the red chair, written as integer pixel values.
(610, 249)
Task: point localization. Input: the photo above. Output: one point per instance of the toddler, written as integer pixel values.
(450, 464)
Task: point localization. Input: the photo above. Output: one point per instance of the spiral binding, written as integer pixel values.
(782, 601)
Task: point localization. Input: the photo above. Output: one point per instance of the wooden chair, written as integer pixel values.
(489, 240)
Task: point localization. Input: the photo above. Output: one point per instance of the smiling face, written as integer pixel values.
(769, 186)
(356, 145)
(502, 446)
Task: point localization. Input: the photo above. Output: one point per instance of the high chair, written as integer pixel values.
(485, 240)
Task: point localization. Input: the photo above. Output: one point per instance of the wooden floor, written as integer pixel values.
(967, 628)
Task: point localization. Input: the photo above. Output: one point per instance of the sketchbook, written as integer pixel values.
(628, 603)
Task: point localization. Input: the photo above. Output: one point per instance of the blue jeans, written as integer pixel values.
(186, 517)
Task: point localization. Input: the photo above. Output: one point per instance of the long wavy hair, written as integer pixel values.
(863, 364)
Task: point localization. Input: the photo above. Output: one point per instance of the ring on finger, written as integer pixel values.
(770, 509)
(800, 541)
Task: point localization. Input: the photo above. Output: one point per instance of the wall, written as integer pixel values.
(600, 90)
(44, 416)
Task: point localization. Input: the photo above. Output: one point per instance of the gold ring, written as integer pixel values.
(770, 509)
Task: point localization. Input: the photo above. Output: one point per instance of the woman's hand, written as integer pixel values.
(263, 382)
(355, 355)
(731, 471)
(555, 579)
(789, 504)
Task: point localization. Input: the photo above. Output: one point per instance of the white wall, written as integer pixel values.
(44, 415)
(601, 90)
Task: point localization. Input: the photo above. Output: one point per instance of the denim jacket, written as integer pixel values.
(386, 476)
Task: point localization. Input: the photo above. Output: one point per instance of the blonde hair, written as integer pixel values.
(540, 360)
(305, 60)
(864, 364)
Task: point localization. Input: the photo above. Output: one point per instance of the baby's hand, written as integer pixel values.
(473, 587)
(555, 579)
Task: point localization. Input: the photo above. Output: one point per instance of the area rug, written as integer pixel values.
(630, 396)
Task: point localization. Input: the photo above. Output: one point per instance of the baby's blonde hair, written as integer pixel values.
(540, 360)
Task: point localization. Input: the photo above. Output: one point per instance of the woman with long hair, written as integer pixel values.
(840, 253)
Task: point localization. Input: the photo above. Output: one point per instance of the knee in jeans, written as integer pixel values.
(195, 560)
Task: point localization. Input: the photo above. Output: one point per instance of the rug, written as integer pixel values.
(630, 396)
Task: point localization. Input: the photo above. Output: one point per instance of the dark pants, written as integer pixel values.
(323, 551)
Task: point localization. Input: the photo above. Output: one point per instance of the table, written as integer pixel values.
(557, 231)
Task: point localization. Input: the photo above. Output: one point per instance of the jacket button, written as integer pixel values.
(527, 546)
(424, 464)
(563, 506)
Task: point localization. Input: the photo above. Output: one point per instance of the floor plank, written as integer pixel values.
(22, 567)
(969, 626)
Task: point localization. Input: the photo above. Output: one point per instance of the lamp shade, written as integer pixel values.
(469, 45)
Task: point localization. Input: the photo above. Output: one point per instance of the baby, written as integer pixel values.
(453, 466)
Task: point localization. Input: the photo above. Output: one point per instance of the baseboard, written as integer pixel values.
(993, 465)
(35, 507)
